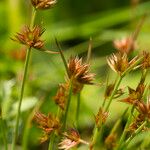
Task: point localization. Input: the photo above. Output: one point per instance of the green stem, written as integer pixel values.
(23, 84)
(67, 107)
(51, 142)
(114, 92)
(124, 131)
(133, 135)
(78, 109)
(94, 138)
(33, 18)
(28, 124)
(4, 133)
(21, 97)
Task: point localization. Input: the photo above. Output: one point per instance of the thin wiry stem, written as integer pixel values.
(51, 142)
(3, 129)
(27, 127)
(62, 56)
(67, 107)
(21, 97)
(114, 92)
(23, 85)
(127, 142)
(78, 109)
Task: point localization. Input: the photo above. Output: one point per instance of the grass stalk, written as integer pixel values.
(21, 97)
(23, 85)
(3, 133)
(67, 106)
(51, 142)
(78, 109)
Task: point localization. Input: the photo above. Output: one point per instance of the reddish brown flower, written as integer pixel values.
(146, 60)
(61, 95)
(79, 73)
(120, 63)
(43, 4)
(135, 95)
(47, 123)
(111, 141)
(101, 117)
(30, 37)
(71, 139)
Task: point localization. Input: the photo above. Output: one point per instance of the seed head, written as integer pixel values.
(146, 60)
(43, 4)
(111, 141)
(61, 95)
(30, 37)
(71, 139)
(119, 62)
(79, 73)
(47, 123)
(101, 117)
(135, 95)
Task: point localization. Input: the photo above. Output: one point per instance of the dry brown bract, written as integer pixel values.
(134, 95)
(146, 60)
(47, 123)
(71, 139)
(43, 4)
(101, 117)
(30, 37)
(61, 95)
(120, 63)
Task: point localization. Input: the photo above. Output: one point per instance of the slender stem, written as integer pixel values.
(94, 138)
(78, 109)
(51, 142)
(114, 92)
(28, 124)
(3, 133)
(21, 97)
(67, 107)
(134, 134)
(33, 18)
(23, 84)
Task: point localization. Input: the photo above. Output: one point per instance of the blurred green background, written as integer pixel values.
(73, 23)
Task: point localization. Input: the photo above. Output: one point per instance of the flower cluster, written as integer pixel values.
(48, 124)
(120, 63)
(79, 73)
(101, 117)
(71, 139)
(43, 4)
(30, 37)
(61, 95)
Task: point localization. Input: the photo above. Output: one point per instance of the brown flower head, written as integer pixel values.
(125, 45)
(30, 37)
(144, 108)
(119, 62)
(79, 73)
(135, 95)
(111, 141)
(101, 117)
(61, 95)
(71, 139)
(47, 123)
(146, 60)
(43, 4)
